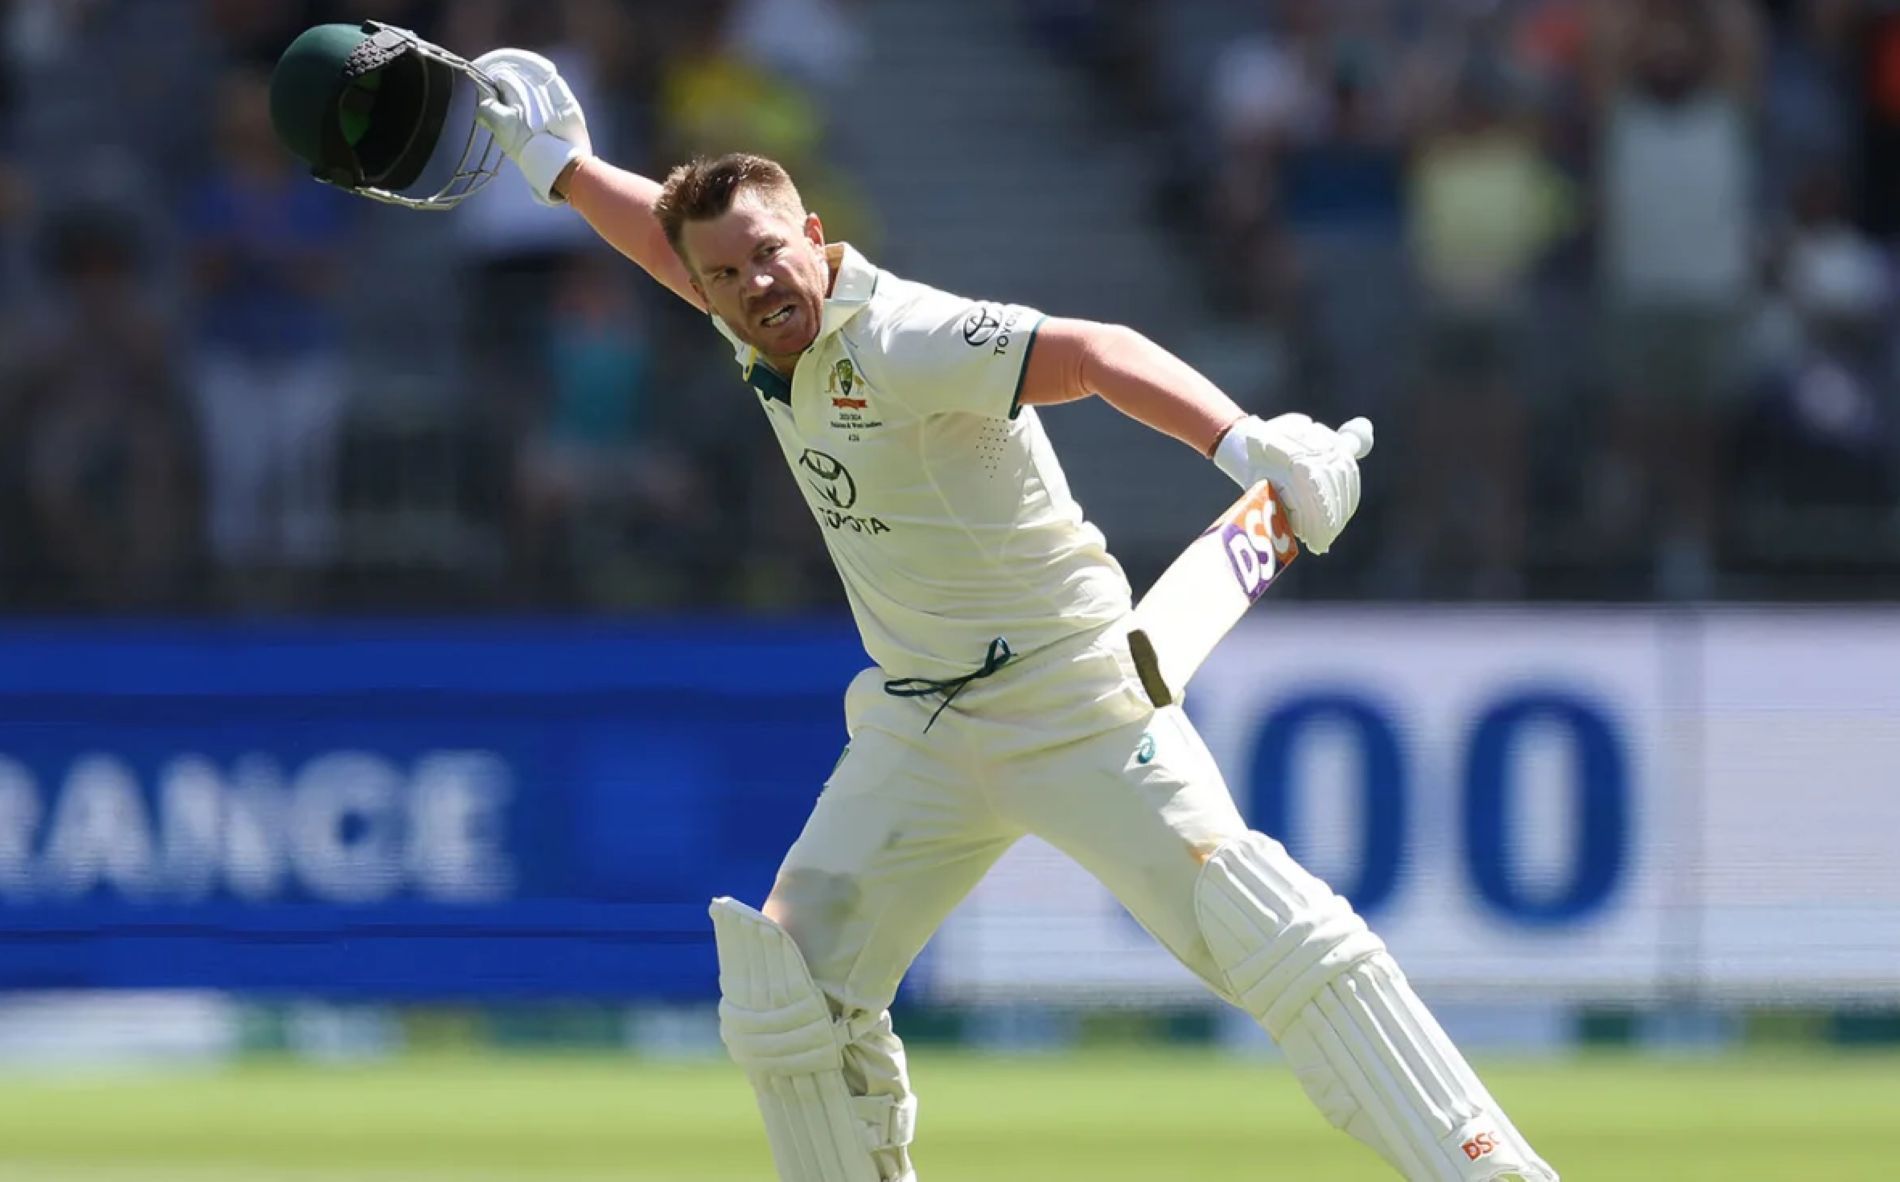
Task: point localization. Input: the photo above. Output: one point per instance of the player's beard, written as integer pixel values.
(789, 337)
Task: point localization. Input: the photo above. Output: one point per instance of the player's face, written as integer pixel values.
(762, 270)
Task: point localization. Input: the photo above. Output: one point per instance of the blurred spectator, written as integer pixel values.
(42, 31)
(1345, 177)
(1486, 205)
(1339, 187)
(264, 249)
(515, 247)
(1808, 92)
(815, 43)
(1676, 87)
(616, 36)
(1874, 40)
(1116, 44)
(1259, 94)
(1485, 202)
(94, 432)
(713, 99)
(1821, 432)
(1550, 42)
(605, 506)
(16, 190)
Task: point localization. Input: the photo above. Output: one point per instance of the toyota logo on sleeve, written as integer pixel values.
(980, 325)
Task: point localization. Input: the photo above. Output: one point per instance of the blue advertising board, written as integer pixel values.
(401, 809)
(1578, 804)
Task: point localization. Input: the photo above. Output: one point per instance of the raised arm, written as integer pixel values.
(619, 206)
(1315, 468)
(539, 124)
(1073, 359)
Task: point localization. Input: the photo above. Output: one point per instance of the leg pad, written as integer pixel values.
(778, 1027)
(1301, 961)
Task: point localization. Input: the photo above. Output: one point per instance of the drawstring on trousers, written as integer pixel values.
(920, 687)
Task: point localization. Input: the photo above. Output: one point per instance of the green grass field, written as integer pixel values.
(1094, 1117)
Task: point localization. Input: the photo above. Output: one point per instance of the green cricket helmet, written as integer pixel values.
(379, 111)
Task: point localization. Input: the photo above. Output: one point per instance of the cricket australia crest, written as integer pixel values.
(850, 402)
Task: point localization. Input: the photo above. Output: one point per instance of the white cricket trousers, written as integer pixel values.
(1062, 744)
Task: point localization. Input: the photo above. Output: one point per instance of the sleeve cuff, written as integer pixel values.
(1022, 375)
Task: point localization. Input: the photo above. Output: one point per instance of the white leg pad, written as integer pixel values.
(778, 1026)
(1370, 1055)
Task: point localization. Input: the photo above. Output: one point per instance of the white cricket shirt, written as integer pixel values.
(939, 496)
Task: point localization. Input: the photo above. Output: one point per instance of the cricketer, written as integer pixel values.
(1003, 698)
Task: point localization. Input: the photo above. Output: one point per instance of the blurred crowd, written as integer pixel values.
(1615, 277)
(230, 388)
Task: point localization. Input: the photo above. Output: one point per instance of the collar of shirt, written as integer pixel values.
(854, 282)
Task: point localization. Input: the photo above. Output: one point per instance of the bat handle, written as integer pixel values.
(1359, 432)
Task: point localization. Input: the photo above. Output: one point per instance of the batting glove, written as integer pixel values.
(536, 120)
(1314, 468)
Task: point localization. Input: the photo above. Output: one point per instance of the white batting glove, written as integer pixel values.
(536, 121)
(1314, 468)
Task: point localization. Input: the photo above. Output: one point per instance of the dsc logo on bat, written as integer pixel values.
(1258, 540)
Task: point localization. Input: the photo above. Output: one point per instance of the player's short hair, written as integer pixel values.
(705, 188)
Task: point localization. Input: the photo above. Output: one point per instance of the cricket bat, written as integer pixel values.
(1204, 592)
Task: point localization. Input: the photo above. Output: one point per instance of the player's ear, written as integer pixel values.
(814, 231)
